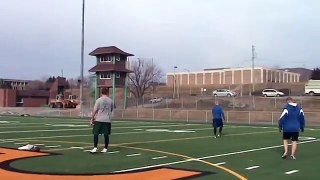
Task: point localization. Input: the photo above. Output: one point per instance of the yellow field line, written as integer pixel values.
(162, 152)
(188, 157)
(174, 154)
(143, 142)
(191, 138)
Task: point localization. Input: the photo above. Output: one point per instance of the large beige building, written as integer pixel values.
(233, 76)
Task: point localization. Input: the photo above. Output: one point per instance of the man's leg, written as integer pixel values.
(214, 129)
(95, 132)
(285, 138)
(95, 140)
(95, 143)
(220, 130)
(106, 141)
(285, 146)
(107, 131)
(294, 147)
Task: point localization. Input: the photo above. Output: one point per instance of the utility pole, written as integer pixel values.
(152, 83)
(82, 54)
(174, 82)
(252, 71)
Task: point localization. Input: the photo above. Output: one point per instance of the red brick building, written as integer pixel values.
(15, 93)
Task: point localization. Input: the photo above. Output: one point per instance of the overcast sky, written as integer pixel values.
(40, 37)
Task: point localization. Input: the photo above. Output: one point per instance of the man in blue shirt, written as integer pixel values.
(291, 122)
(218, 117)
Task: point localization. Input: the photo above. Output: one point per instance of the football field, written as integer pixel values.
(151, 150)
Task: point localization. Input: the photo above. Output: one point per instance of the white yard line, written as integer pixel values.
(136, 154)
(159, 157)
(22, 143)
(291, 172)
(221, 163)
(39, 144)
(208, 157)
(250, 150)
(53, 146)
(125, 133)
(76, 147)
(9, 141)
(252, 167)
(113, 152)
(58, 130)
(47, 130)
(22, 127)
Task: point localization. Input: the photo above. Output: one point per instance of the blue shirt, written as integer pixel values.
(217, 112)
(292, 118)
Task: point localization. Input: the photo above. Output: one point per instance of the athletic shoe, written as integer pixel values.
(284, 155)
(94, 150)
(293, 157)
(104, 150)
(26, 147)
(215, 136)
(219, 135)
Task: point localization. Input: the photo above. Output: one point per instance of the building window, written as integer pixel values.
(117, 75)
(105, 75)
(117, 58)
(105, 59)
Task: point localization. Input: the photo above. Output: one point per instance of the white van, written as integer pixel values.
(312, 87)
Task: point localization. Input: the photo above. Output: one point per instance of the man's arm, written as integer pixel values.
(222, 115)
(94, 113)
(282, 117)
(113, 106)
(301, 120)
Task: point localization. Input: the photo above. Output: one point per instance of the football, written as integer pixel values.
(35, 149)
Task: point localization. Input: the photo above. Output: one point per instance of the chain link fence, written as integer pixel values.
(239, 103)
(177, 115)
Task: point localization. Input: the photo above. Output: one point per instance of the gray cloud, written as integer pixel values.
(44, 36)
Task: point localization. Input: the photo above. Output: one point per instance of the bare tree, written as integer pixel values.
(144, 76)
(315, 74)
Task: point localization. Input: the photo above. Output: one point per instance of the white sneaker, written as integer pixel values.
(104, 150)
(26, 147)
(94, 150)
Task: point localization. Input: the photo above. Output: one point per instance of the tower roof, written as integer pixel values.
(109, 50)
(108, 67)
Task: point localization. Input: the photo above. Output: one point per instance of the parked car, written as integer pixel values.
(272, 93)
(155, 100)
(224, 92)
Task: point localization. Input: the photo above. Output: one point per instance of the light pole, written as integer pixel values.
(189, 80)
(82, 57)
(174, 81)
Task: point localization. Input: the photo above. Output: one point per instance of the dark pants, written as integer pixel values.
(293, 136)
(217, 123)
(101, 128)
(96, 139)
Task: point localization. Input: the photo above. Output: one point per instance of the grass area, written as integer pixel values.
(141, 146)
